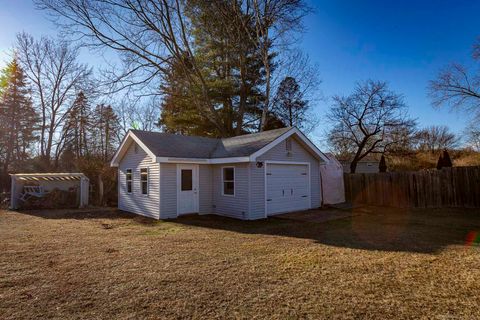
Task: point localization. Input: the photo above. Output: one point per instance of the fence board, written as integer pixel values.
(449, 187)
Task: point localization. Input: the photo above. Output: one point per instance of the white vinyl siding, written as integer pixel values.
(136, 202)
(205, 190)
(168, 185)
(227, 205)
(279, 153)
(257, 192)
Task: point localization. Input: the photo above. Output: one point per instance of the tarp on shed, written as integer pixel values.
(332, 181)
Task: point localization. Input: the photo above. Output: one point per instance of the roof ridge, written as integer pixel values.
(258, 133)
(173, 134)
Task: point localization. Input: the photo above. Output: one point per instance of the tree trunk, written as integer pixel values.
(100, 190)
(353, 166)
(290, 115)
(263, 123)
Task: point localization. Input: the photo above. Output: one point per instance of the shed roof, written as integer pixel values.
(166, 147)
(173, 145)
(50, 176)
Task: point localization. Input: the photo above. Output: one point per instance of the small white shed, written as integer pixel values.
(332, 181)
(38, 184)
(251, 176)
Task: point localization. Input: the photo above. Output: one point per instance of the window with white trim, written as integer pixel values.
(144, 180)
(228, 181)
(128, 179)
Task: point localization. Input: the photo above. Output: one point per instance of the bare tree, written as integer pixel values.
(275, 25)
(458, 87)
(56, 77)
(436, 138)
(141, 114)
(372, 119)
(472, 134)
(296, 64)
(153, 36)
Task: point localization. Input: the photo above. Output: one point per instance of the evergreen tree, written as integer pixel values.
(78, 125)
(447, 162)
(18, 119)
(382, 167)
(105, 127)
(230, 65)
(440, 162)
(289, 105)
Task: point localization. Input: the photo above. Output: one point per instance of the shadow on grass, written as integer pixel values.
(419, 231)
(83, 214)
(374, 228)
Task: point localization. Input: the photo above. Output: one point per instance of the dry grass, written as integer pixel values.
(427, 160)
(380, 263)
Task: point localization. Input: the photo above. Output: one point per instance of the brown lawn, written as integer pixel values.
(378, 264)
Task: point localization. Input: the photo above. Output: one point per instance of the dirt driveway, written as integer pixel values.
(377, 263)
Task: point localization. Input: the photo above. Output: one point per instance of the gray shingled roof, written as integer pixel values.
(178, 146)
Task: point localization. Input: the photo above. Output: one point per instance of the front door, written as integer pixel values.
(187, 188)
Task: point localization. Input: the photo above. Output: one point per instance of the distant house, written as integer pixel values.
(368, 164)
(247, 177)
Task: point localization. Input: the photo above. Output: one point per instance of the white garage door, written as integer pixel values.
(287, 188)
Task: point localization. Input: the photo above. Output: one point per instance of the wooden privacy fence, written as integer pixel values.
(449, 187)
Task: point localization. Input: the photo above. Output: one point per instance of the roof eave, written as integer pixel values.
(130, 136)
(314, 150)
(202, 160)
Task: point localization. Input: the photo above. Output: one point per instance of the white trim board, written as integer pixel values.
(129, 138)
(202, 161)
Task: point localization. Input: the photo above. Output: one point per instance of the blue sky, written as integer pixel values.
(402, 42)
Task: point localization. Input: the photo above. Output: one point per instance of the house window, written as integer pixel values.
(128, 177)
(228, 180)
(144, 180)
(186, 182)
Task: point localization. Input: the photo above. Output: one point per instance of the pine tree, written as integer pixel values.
(104, 132)
(289, 104)
(447, 162)
(78, 125)
(382, 167)
(231, 67)
(440, 162)
(18, 119)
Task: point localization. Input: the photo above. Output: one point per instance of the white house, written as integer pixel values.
(247, 177)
